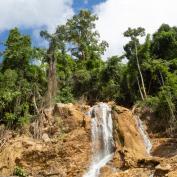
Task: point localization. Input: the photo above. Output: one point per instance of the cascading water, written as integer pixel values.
(146, 139)
(102, 138)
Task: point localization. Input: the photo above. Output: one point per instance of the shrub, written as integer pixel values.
(19, 172)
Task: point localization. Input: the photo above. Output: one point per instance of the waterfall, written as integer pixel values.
(146, 139)
(102, 138)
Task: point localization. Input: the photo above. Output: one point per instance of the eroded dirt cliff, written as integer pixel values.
(64, 153)
(64, 147)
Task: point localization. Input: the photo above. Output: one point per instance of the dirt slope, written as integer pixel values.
(64, 149)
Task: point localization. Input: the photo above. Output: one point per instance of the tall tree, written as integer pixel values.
(20, 80)
(164, 42)
(56, 44)
(132, 53)
(86, 48)
(84, 39)
(18, 52)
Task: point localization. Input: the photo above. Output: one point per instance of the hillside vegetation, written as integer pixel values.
(71, 69)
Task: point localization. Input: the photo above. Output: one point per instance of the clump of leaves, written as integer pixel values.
(150, 102)
(19, 172)
(65, 95)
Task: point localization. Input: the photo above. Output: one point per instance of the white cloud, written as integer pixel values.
(34, 13)
(115, 16)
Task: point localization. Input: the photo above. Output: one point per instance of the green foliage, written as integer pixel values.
(164, 108)
(72, 68)
(65, 95)
(14, 108)
(81, 33)
(20, 80)
(81, 73)
(132, 52)
(156, 58)
(164, 42)
(18, 171)
(18, 51)
(151, 102)
(112, 78)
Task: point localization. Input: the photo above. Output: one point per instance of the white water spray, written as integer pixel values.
(102, 138)
(146, 139)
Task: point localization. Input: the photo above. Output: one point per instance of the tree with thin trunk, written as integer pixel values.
(133, 54)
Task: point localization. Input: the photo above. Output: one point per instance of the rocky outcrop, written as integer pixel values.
(131, 157)
(129, 142)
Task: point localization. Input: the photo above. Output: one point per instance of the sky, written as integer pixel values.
(115, 16)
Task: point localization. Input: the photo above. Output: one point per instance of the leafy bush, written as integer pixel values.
(151, 102)
(65, 95)
(19, 172)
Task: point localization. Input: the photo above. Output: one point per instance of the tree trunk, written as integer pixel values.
(139, 69)
(142, 97)
(35, 105)
(52, 81)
